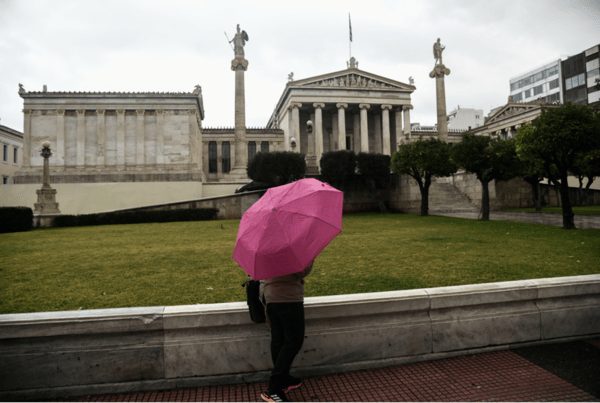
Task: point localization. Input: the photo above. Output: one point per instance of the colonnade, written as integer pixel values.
(381, 126)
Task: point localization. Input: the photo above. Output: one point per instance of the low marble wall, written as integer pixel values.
(52, 354)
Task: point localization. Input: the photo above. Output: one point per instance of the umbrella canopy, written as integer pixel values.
(287, 228)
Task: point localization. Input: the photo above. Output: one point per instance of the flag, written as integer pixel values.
(350, 22)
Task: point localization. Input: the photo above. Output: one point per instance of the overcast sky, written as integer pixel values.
(152, 45)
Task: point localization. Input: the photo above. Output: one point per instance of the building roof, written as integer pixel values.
(11, 131)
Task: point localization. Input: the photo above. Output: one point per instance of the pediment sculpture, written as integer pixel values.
(350, 80)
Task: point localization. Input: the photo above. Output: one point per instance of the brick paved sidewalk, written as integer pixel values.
(495, 376)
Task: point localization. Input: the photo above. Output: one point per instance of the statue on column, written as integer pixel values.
(437, 51)
(239, 41)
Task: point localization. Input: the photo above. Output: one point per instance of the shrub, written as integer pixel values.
(15, 219)
(136, 217)
(277, 168)
(338, 167)
(374, 169)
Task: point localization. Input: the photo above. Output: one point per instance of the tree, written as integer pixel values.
(532, 171)
(422, 160)
(374, 171)
(338, 167)
(587, 166)
(489, 160)
(277, 168)
(559, 138)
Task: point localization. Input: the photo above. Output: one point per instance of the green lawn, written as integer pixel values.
(190, 262)
(578, 210)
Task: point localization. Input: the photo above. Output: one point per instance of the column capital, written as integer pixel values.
(239, 64)
(407, 107)
(364, 106)
(295, 105)
(80, 112)
(341, 106)
(388, 107)
(120, 112)
(439, 71)
(60, 112)
(140, 112)
(160, 112)
(318, 105)
(27, 112)
(99, 112)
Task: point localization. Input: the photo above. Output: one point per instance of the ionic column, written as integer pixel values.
(356, 131)
(160, 138)
(27, 138)
(364, 128)
(219, 159)
(385, 122)
(318, 130)
(140, 158)
(295, 123)
(377, 129)
(60, 137)
(240, 65)
(80, 137)
(120, 138)
(407, 130)
(341, 126)
(399, 132)
(101, 156)
(439, 71)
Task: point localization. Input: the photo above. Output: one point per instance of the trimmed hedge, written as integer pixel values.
(15, 219)
(338, 167)
(277, 168)
(136, 217)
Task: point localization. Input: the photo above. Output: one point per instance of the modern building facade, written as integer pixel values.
(579, 77)
(543, 82)
(12, 154)
(465, 118)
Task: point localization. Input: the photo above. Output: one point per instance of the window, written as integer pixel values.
(552, 71)
(514, 86)
(518, 97)
(593, 73)
(212, 157)
(568, 84)
(5, 152)
(520, 83)
(15, 155)
(476, 116)
(553, 84)
(581, 79)
(553, 98)
(527, 81)
(264, 146)
(538, 90)
(527, 93)
(5, 180)
(226, 149)
(251, 150)
(538, 76)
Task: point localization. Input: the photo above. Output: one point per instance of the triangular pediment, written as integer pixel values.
(351, 78)
(511, 109)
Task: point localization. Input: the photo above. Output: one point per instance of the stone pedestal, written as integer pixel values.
(438, 72)
(46, 208)
(240, 65)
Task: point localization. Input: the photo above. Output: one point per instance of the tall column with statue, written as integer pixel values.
(438, 72)
(239, 64)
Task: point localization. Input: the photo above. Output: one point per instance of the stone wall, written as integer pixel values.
(52, 354)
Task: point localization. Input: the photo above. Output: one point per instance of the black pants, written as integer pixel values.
(287, 337)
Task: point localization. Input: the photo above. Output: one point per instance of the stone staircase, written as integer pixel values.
(446, 198)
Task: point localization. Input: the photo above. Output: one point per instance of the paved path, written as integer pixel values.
(526, 374)
(581, 221)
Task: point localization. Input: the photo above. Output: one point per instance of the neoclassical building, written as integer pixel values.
(349, 109)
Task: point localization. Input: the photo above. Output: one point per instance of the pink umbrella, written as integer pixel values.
(287, 228)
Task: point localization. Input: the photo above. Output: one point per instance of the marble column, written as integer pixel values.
(318, 131)
(240, 65)
(364, 128)
(399, 131)
(356, 131)
(60, 138)
(219, 159)
(80, 138)
(27, 138)
(341, 126)
(160, 138)
(295, 124)
(101, 156)
(407, 129)
(120, 138)
(140, 158)
(439, 71)
(385, 123)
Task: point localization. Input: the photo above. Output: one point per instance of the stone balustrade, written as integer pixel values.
(51, 354)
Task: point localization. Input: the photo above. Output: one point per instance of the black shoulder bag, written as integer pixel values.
(256, 308)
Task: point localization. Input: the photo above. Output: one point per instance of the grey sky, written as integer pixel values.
(151, 45)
